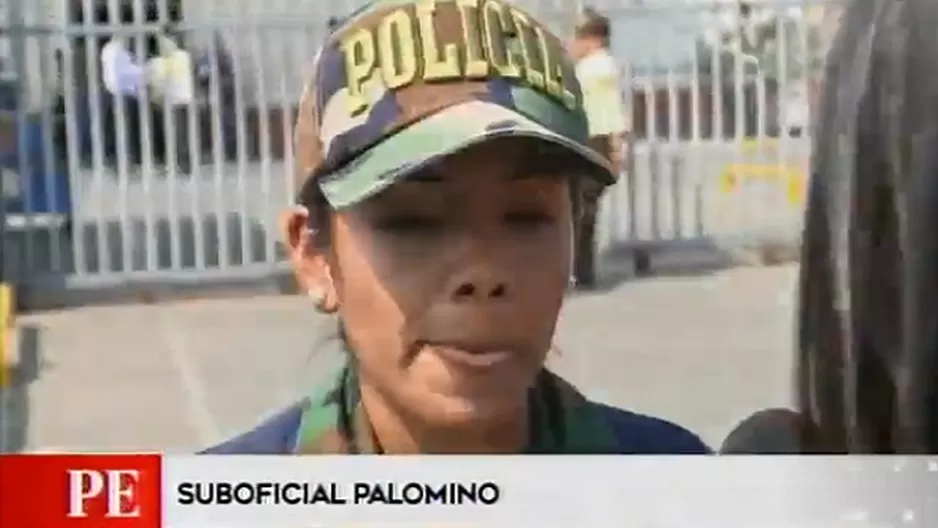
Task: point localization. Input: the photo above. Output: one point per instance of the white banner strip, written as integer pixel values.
(539, 491)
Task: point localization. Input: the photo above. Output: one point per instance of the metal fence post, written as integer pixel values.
(17, 34)
(14, 32)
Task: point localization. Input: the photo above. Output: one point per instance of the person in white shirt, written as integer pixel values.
(608, 121)
(122, 75)
(125, 81)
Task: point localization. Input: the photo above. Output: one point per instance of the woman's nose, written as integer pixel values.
(479, 284)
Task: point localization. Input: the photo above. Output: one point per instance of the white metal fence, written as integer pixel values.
(100, 196)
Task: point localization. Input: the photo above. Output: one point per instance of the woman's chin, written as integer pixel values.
(457, 411)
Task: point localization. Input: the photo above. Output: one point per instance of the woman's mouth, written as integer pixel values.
(484, 358)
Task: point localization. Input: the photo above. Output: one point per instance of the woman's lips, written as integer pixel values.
(478, 358)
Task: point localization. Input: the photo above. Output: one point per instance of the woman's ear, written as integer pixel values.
(308, 259)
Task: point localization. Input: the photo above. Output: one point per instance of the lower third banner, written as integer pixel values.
(150, 491)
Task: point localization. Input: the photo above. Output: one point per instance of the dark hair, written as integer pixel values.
(333, 23)
(173, 32)
(868, 321)
(593, 24)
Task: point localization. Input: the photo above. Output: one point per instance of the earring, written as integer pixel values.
(317, 295)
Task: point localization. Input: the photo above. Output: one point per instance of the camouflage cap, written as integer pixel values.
(402, 83)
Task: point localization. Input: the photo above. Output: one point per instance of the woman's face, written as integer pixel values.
(449, 284)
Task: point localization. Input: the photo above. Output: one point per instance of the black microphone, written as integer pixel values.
(767, 432)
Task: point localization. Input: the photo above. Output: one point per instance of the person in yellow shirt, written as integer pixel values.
(609, 127)
(172, 86)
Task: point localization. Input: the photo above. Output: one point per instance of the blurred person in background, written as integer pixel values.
(125, 80)
(609, 127)
(215, 67)
(751, 31)
(172, 78)
(434, 221)
(218, 53)
(214, 58)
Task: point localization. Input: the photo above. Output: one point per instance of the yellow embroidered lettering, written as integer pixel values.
(396, 50)
(477, 66)
(553, 77)
(404, 47)
(529, 50)
(438, 64)
(497, 30)
(358, 49)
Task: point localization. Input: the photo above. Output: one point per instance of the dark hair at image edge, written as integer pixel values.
(868, 321)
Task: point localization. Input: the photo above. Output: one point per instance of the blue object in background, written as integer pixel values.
(38, 191)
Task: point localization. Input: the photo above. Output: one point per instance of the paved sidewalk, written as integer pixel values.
(703, 350)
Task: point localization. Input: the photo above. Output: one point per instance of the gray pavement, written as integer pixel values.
(701, 349)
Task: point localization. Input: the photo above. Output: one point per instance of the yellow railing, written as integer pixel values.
(7, 310)
(793, 178)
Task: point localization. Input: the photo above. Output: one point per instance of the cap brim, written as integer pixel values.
(447, 132)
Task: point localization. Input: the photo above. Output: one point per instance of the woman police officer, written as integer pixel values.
(439, 147)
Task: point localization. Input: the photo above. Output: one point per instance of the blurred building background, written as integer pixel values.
(269, 39)
(720, 93)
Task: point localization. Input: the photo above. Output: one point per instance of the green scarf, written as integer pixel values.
(562, 421)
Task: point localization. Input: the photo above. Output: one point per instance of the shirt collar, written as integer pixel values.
(337, 423)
